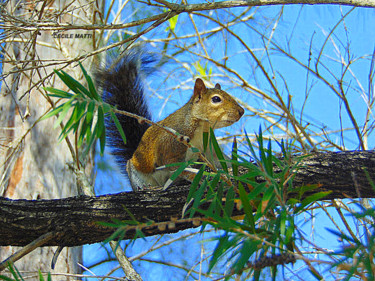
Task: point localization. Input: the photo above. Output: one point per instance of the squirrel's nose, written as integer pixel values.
(241, 111)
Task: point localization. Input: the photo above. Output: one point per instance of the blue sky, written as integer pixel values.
(299, 26)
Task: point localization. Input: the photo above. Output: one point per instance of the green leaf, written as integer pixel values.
(69, 125)
(252, 151)
(312, 198)
(234, 157)
(173, 22)
(102, 139)
(90, 140)
(58, 93)
(218, 151)
(118, 126)
(41, 278)
(205, 141)
(201, 70)
(246, 206)
(73, 84)
(87, 124)
(249, 247)
(229, 201)
(65, 109)
(221, 248)
(53, 112)
(92, 89)
(179, 170)
(197, 197)
(100, 122)
(195, 183)
(6, 278)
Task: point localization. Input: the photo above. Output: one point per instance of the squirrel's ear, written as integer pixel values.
(217, 86)
(199, 88)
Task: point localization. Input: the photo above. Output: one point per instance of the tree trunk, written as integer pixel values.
(75, 221)
(33, 163)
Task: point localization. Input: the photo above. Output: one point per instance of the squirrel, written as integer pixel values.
(150, 147)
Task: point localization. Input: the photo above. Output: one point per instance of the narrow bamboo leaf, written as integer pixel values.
(247, 250)
(195, 183)
(19, 276)
(69, 125)
(83, 132)
(41, 278)
(268, 200)
(205, 141)
(222, 246)
(289, 235)
(229, 201)
(218, 151)
(102, 139)
(252, 151)
(269, 162)
(258, 188)
(90, 140)
(218, 202)
(312, 198)
(197, 197)
(53, 112)
(58, 93)
(6, 278)
(100, 122)
(66, 107)
(139, 234)
(234, 157)
(282, 226)
(87, 122)
(246, 206)
(260, 144)
(114, 235)
(12, 271)
(118, 126)
(73, 84)
(92, 89)
(74, 121)
(249, 175)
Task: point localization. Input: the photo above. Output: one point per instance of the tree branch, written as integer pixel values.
(75, 219)
(246, 3)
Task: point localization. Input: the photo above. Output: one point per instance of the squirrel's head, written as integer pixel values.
(214, 105)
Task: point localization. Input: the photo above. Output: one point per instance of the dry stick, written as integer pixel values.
(126, 265)
(27, 249)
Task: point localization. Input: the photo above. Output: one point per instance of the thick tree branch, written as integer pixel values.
(75, 220)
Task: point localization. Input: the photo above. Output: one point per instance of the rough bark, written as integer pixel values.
(33, 163)
(74, 221)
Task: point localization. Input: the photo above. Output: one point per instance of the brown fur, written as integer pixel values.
(157, 147)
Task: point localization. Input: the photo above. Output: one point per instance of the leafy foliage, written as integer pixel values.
(18, 277)
(267, 226)
(84, 105)
(356, 255)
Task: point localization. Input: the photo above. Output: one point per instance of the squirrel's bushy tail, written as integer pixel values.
(122, 86)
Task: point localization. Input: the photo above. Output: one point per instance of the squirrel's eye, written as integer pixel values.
(216, 99)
